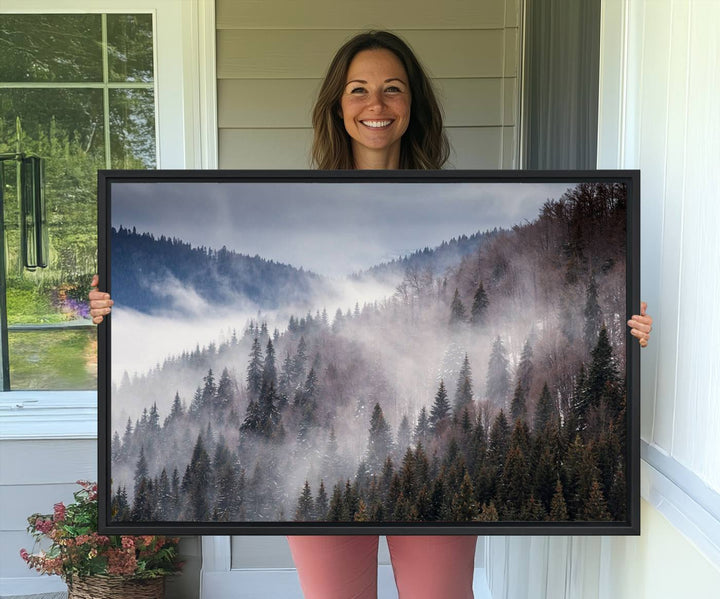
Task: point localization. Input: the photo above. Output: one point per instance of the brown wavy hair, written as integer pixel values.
(423, 146)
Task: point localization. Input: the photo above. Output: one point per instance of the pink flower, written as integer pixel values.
(44, 526)
(59, 509)
(24, 555)
(121, 562)
(128, 543)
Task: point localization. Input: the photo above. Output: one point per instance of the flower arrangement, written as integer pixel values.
(77, 550)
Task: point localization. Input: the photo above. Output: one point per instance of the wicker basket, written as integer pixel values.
(116, 587)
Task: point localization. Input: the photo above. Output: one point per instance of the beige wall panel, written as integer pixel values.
(512, 13)
(277, 103)
(351, 14)
(510, 110)
(263, 103)
(471, 147)
(253, 54)
(512, 52)
(471, 102)
(475, 147)
(265, 148)
(510, 147)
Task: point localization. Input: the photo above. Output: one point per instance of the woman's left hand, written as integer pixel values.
(641, 325)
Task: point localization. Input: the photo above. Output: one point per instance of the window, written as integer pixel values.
(78, 91)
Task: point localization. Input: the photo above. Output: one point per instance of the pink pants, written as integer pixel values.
(337, 567)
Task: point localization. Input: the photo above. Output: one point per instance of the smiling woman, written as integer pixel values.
(375, 78)
(375, 108)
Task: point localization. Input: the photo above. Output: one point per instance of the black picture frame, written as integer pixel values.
(114, 189)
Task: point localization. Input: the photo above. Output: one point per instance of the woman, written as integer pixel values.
(377, 110)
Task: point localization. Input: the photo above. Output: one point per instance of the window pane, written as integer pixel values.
(50, 48)
(65, 127)
(130, 47)
(53, 360)
(132, 128)
(75, 117)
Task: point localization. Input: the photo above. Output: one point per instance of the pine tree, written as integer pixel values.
(142, 502)
(209, 390)
(176, 411)
(421, 434)
(544, 411)
(380, 442)
(335, 511)
(525, 368)
(269, 416)
(305, 506)
(286, 376)
(617, 500)
(457, 310)
(321, 503)
(153, 421)
(226, 391)
(440, 410)
(361, 515)
(497, 383)
(164, 497)
(299, 363)
(514, 484)
(545, 475)
(404, 434)
(489, 513)
(116, 448)
(603, 381)
(464, 508)
(463, 389)
(269, 374)
(198, 483)
(595, 509)
(558, 509)
(478, 312)
(141, 469)
(518, 408)
(255, 369)
(127, 435)
(499, 443)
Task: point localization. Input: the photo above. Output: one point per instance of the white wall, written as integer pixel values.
(660, 85)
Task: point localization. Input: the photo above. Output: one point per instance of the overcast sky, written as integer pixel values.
(332, 229)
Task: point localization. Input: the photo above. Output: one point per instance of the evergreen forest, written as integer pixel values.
(487, 387)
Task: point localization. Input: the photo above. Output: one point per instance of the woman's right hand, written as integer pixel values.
(100, 302)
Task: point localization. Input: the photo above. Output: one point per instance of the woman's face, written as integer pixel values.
(375, 106)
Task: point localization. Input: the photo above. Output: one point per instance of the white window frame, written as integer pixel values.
(186, 132)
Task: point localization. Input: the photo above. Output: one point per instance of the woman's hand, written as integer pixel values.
(641, 325)
(100, 302)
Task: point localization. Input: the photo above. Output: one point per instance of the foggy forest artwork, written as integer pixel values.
(384, 353)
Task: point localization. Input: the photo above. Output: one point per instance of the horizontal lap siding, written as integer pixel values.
(35, 475)
(271, 59)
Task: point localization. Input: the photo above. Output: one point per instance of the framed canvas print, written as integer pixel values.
(375, 352)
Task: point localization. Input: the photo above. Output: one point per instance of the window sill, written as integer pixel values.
(48, 415)
(683, 498)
